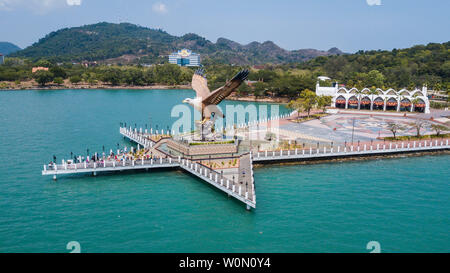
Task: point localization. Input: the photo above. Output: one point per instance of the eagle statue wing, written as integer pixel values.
(221, 93)
(200, 84)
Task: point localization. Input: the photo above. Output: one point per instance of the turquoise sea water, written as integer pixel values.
(402, 203)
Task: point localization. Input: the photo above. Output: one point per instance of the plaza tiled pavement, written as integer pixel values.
(338, 128)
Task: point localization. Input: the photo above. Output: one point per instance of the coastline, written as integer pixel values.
(83, 86)
(96, 86)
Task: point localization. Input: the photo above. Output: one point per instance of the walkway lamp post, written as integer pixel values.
(87, 151)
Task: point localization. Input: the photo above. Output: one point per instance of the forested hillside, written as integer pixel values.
(107, 42)
(409, 67)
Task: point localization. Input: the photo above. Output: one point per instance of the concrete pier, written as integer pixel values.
(108, 166)
(403, 147)
(243, 189)
(214, 178)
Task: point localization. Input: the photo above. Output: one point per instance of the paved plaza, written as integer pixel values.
(340, 127)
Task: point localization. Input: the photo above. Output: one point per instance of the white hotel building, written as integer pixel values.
(185, 57)
(378, 99)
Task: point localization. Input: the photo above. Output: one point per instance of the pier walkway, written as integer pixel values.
(243, 189)
(347, 151)
(143, 139)
(107, 166)
(212, 177)
(238, 191)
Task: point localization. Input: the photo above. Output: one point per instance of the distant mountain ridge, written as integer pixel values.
(108, 42)
(7, 48)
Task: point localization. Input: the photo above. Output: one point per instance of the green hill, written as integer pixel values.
(7, 48)
(408, 67)
(131, 43)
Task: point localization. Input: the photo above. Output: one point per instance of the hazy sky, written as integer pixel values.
(350, 25)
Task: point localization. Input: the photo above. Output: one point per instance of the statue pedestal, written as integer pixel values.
(206, 129)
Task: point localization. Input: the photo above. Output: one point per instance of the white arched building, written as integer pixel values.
(378, 99)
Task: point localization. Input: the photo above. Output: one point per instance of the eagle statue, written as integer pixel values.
(206, 101)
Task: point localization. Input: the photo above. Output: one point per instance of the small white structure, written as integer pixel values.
(378, 99)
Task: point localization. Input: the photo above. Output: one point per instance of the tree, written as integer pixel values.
(42, 77)
(243, 90)
(394, 128)
(418, 125)
(58, 80)
(308, 100)
(43, 63)
(270, 136)
(258, 89)
(438, 128)
(324, 101)
(75, 79)
(111, 75)
(296, 105)
(375, 78)
(58, 72)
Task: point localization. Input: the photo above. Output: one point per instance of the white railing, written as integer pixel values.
(368, 149)
(108, 165)
(216, 179)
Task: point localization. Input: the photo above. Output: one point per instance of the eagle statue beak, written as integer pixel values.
(185, 101)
